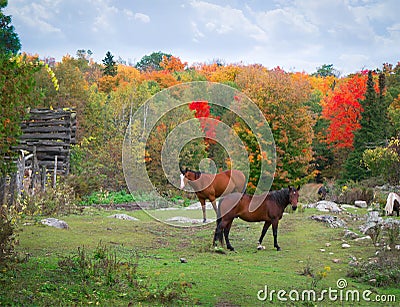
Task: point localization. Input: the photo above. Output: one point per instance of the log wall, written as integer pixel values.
(49, 134)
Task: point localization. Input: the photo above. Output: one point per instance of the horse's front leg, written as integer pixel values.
(275, 233)
(214, 204)
(203, 208)
(263, 232)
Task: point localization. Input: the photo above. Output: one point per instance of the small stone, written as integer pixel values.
(327, 244)
(363, 238)
(345, 245)
(183, 260)
(322, 250)
(336, 260)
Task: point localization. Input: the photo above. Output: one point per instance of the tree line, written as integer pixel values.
(324, 126)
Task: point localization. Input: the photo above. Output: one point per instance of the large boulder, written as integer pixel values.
(328, 206)
(53, 222)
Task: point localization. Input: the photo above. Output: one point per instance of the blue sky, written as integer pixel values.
(297, 35)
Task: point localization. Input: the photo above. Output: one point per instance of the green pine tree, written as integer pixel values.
(110, 66)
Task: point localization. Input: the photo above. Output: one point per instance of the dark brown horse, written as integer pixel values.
(266, 207)
(212, 186)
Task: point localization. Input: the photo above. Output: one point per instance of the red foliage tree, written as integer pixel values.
(343, 109)
(208, 122)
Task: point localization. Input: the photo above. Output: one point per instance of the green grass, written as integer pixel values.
(207, 279)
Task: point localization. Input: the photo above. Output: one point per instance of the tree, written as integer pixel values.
(326, 70)
(110, 66)
(341, 107)
(282, 97)
(9, 41)
(372, 132)
(153, 61)
(17, 94)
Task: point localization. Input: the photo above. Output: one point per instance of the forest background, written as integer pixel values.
(325, 126)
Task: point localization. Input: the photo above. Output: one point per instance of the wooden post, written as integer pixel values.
(55, 172)
(2, 190)
(43, 177)
(35, 172)
(13, 189)
(19, 178)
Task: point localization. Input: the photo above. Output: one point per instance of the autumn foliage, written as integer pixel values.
(207, 122)
(310, 116)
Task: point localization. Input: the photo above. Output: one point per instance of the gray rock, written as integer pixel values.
(350, 234)
(331, 221)
(121, 216)
(328, 206)
(184, 219)
(360, 204)
(55, 223)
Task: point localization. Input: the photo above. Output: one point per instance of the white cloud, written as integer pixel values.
(293, 34)
(142, 17)
(226, 20)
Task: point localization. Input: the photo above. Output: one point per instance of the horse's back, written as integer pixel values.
(229, 203)
(237, 180)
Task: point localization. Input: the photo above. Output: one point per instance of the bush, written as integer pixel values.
(60, 200)
(380, 271)
(350, 192)
(9, 216)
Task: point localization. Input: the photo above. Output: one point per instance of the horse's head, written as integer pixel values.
(294, 196)
(187, 175)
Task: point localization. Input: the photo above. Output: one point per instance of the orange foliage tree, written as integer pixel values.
(281, 97)
(172, 64)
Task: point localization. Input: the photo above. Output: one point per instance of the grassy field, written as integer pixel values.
(110, 262)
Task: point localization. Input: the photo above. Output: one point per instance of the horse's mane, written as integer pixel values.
(281, 197)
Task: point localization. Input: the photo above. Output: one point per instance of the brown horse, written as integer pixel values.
(212, 186)
(266, 207)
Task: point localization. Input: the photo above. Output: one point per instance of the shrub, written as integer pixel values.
(9, 216)
(380, 271)
(350, 192)
(60, 200)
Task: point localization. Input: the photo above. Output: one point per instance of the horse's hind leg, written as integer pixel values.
(263, 232)
(226, 234)
(275, 233)
(218, 235)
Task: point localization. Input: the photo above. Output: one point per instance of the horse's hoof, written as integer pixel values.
(278, 249)
(219, 250)
(260, 247)
(204, 220)
(231, 248)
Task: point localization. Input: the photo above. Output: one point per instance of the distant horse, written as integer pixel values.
(267, 207)
(392, 204)
(322, 192)
(212, 186)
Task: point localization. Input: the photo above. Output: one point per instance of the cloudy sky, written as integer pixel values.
(297, 35)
